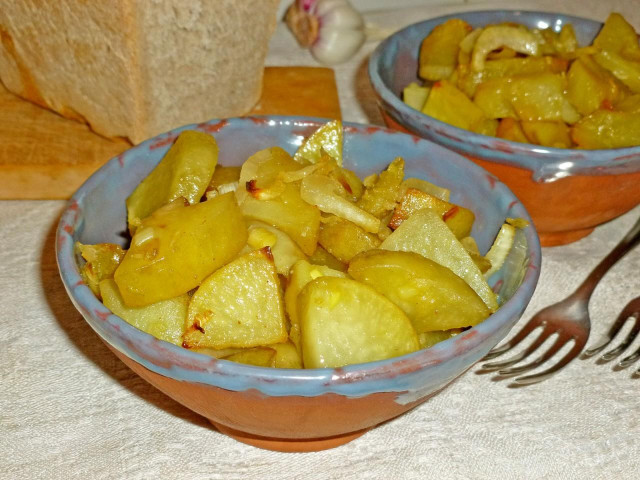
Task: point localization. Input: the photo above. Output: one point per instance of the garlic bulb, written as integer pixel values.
(332, 29)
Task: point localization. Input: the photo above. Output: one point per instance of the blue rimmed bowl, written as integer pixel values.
(568, 192)
(295, 410)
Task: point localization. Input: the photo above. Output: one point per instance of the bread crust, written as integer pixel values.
(136, 68)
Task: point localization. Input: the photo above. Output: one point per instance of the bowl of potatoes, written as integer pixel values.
(294, 280)
(549, 103)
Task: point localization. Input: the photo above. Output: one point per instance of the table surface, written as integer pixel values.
(70, 409)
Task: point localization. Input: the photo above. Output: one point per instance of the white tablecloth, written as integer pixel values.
(70, 409)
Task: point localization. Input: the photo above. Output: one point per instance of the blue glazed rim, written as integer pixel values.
(546, 163)
(417, 373)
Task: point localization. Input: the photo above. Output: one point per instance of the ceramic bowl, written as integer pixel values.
(567, 191)
(299, 409)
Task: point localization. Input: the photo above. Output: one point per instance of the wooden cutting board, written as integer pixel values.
(46, 156)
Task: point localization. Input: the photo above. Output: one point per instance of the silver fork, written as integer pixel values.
(631, 311)
(568, 319)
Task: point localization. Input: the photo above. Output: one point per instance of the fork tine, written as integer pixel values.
(611, 334)
(623, 346)
(516, 358)
(538, 377)
(626, 361)
(521, 335)
(557, 345)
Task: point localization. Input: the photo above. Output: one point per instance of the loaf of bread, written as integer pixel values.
(136, 68)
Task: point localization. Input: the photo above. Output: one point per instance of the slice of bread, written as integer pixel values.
(136, 68)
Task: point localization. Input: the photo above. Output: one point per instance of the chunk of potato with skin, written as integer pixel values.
(164, 319)
(345, 322)
(526, 97)
(102, 259)
(185, 171)
(322, 257)
(256, 356)
(511, 129)
(288, 213)
(548, 134)
(175, 248)
(239, 305)
(425, 233)
(450, 105)
(344, 239)
(327, 138)
(589, 86)
(380, 197)
(439, 50)
(607, 129)
(285, 251)
(301, 274)
(458, 219)
(432, 296)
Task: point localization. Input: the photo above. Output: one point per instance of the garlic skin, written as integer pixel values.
(332, 29)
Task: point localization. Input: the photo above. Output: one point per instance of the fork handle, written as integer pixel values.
(630, 240)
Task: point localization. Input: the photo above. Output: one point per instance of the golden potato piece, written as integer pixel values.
(257, 356)
(185, 171)
(425, 233)
(223, 176)
(450, 105)
(177, 247)
(345, 322)
(327, 138)
(322, 257)
(415, 95)
(526, 97)
(287, 355)
(164, 319)
(432, 296)
(606, 129)
(260, 174)
(548, 134)
(429, 339)
(458, 219)
(625, 70)
(618, 36)
(344, 240)
(589, 86)
(439, 50)
(511, 129)
(285, 251)
(288, 213)
(102, 260)
(301, 274)
(239, 305)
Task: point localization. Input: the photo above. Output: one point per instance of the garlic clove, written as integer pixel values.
(337, 46)
(332, 29)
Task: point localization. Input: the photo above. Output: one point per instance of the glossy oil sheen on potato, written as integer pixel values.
(240, 305)
(177, 247)
(432, 296)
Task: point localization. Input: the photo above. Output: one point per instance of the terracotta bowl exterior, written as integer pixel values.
(568, 192)
(299, 410)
